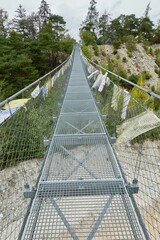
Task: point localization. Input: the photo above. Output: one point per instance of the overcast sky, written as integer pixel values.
(74, 11)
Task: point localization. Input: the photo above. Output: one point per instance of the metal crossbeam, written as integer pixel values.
(77, 188)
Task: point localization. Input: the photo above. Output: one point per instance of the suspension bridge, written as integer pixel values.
(80, 174)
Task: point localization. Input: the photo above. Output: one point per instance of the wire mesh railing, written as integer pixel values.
(27, 120)
(133, 124)
(83, 188)
(81, 193)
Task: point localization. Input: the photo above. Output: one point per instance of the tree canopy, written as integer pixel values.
(30, 45)
(104, 29)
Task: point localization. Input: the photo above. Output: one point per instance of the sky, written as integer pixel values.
(75, 11)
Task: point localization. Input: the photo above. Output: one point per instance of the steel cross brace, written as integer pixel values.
(79, 130)
(96, 225)
(81, 162)
(100, 218)
(64, 220)
(85, 126)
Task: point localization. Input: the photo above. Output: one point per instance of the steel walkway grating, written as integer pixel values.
(81, 193)
(79, 162)
(79, 123)
(82, 217)
(78, 106)
(78, 96)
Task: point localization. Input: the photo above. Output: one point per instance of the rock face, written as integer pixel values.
(135, 63)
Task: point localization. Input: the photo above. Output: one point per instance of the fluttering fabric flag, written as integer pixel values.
(48, 86)
(115, 98)
(136, 126)
(59, 73)
(105, 81)
(53, 80)
(92, 74)
(44, 90)
(125, 104)
(62, 70)
(36, 92)
(97, 83)
(90, 69)
(4, 114)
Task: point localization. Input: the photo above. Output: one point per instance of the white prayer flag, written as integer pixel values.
(136, 126)
(97, 83)
(125, 103)
(35, 92)
(92, 74)
(108, 81)
(115, 98)
(53, 80)
(105, 81)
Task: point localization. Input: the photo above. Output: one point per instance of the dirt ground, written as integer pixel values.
(146, 168)
(13, 205)
(139, 62)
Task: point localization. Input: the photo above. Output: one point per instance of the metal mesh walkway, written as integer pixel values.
(81, 193)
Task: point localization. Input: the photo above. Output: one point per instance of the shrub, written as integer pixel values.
(129, 54)
(134, 78)
(157, 70)
(156, 101)
(118, 57)
(130, 43)
(87, 38)
(96, 50)
(103, 53)
(116, 43)
(86, 51)
(124, 59)
(157, 53)
(115, 51)
(153, 88)
(146, 75)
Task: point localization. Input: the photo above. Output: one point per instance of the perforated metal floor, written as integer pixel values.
(81, 192)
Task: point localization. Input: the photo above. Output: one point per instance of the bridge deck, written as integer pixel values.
(81, 193)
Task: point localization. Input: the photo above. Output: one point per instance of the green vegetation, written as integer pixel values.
(31, 46)
(157, 70)
(129, 31)
(124, 29)
(86, 52)
(157, 53)
(124, 59)
(24, 132)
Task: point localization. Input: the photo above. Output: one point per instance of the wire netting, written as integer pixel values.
(25, 122)
(81, 193)
(83, 187)
(133, 122)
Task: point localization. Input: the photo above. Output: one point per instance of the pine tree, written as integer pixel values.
(103, 27)
(44, 13)
(148, 9)
(91, 22)
(20, 22)
(58, 26)
(3, 22)
(32, 22)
